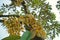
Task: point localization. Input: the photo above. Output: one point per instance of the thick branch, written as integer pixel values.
(25, 8)
(9, 15)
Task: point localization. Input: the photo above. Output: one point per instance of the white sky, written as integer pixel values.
(3, 32)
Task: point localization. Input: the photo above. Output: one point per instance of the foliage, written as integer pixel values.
(41, 11)
(58, 4)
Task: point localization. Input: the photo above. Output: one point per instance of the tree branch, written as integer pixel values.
(9, 15)
(25, 8)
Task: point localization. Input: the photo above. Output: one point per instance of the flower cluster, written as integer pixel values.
(14, 25)
(17, 2)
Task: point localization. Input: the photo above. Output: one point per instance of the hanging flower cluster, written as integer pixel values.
(17, 2)
(14, 25)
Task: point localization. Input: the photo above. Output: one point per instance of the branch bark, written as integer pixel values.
(25, 7)
(9, 15)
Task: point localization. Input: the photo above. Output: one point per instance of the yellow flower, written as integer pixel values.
(14, 25)
(17, 2)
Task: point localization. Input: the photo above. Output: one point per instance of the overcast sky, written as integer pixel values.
(3, 32)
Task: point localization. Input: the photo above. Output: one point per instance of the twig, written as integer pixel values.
(25, 8)
(9, 15)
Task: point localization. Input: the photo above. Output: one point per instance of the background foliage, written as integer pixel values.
(58, 4)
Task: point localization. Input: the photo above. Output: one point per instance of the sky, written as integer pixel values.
(4, 33)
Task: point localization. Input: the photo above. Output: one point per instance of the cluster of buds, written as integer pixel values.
(17, 2)
(14, 25)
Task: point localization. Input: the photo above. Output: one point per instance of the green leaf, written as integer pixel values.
(26, 36)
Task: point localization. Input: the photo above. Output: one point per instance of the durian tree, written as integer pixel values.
(35, 15)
